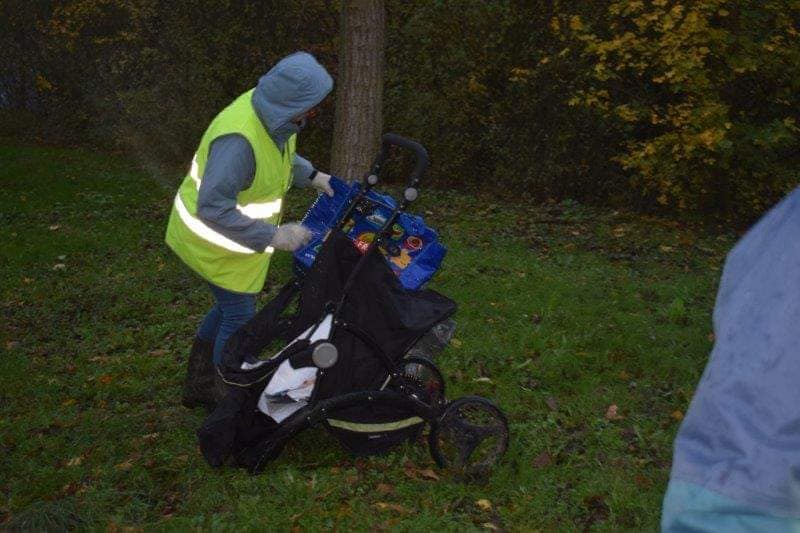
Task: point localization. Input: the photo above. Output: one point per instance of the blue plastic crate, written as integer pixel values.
(413, 252)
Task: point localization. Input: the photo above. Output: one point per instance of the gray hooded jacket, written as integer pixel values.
(293, 86)
(741, 435)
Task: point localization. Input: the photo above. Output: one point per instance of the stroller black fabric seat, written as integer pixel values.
(377, 319)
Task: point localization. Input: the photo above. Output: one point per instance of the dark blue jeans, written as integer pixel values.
(230, 312)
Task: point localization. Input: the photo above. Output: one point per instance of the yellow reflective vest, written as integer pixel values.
(212, 255)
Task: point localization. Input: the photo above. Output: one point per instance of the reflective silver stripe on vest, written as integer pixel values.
(194, 172)
(261, 210)
(199, 228)
(253, 210)
(374, 428)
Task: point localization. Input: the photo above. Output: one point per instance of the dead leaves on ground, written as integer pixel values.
(385, 489)
(483, 504)
(612, 413)
(412, 472)
(388, 506)
(542, 460)
(552, 403)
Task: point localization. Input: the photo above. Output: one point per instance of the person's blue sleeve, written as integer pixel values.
(301, 171)
(230, 169)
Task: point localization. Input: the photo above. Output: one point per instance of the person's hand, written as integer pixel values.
(290, 236)
(321, 182)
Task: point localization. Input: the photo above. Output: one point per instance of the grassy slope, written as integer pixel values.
(566, 311)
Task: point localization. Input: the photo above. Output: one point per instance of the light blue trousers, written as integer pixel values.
(691, 508)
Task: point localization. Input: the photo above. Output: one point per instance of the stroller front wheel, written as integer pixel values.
(470, 437)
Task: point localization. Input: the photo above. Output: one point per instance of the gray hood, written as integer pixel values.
(293, 86)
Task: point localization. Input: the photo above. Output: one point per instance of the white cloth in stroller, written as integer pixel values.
(290, 388)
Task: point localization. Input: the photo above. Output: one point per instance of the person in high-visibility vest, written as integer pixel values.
(225, 222)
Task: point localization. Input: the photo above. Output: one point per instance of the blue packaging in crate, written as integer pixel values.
(413, 250)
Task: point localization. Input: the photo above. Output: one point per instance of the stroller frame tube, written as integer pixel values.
(388, 141)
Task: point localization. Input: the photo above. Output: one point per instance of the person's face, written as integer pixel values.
(301, 120)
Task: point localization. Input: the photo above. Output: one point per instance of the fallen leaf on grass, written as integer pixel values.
(597, 509)
(482, 380)
(53, 227)
(105, 379)
(150, 437)
(396, 507)
(385, 488)
(612, 413)
(542, 460)
(455, 343)
(489, 525)
(324, 495)
(125, 465)
(677, 415)
(59, 266)
(484, 504)
(159, 352)
(75, 461)
(552, 403)
(427, 473)
(413, 472)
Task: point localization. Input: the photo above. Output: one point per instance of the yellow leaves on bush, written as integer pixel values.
(476, 87)
(711, 137)
(626, 113)
(519, 74)
(575, 23)
(42, 84)
(592, 98)
(687, 139)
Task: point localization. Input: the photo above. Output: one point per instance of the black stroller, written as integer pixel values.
(343, 331)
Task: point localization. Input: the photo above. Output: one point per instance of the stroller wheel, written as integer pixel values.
(423, 375)
(470, 437)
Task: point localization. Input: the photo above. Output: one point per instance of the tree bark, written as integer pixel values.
(359, 91)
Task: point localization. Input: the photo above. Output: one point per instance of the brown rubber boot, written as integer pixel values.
(198, 388)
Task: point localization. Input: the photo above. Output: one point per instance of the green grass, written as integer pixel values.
(567, 310)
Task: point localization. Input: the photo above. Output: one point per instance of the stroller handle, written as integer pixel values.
(420, 153)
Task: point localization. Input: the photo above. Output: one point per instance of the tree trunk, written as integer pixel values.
(359, 90)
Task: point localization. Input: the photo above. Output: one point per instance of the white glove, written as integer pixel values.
(321, 182)
(290, 236)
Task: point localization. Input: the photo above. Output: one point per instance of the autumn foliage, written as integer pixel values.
(672, 106)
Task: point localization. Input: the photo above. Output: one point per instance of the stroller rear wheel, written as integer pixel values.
(470, 437)
(423, 375)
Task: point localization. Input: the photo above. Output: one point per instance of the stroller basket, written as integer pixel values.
(344, 363)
